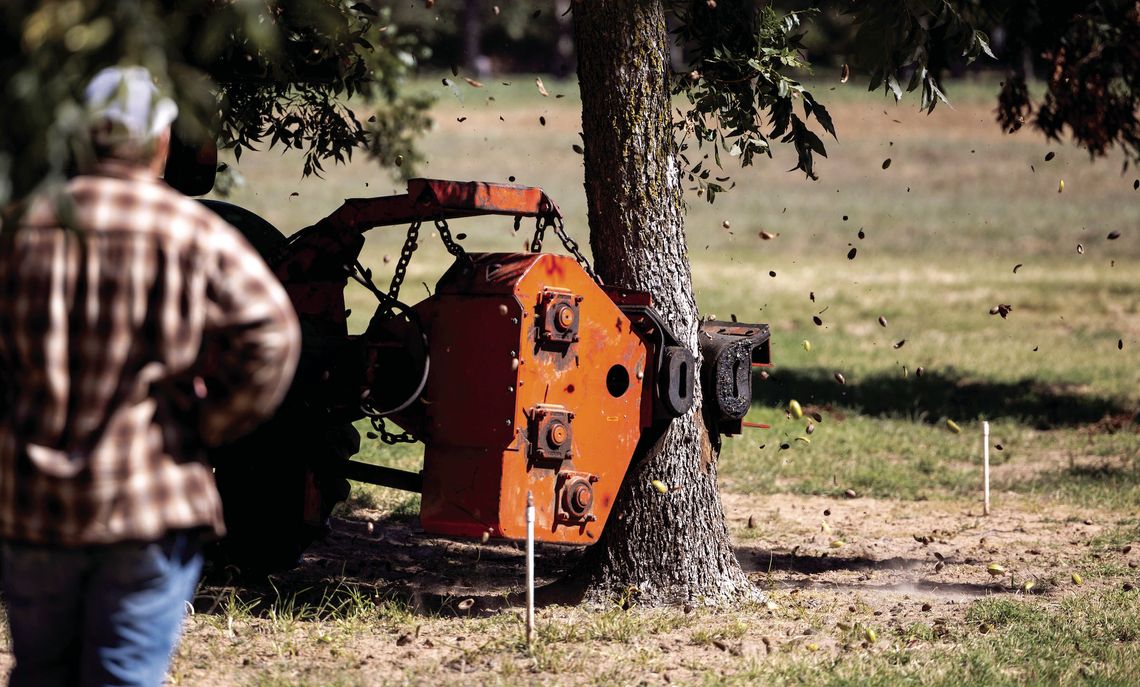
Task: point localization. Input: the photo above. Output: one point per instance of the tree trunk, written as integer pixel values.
(674, 547)
(473, 38)
(563, 62)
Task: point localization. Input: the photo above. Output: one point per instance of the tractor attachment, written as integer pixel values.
(522, 373)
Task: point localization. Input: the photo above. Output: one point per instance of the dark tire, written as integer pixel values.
(275, 496)
(265, 238)
(278, 485)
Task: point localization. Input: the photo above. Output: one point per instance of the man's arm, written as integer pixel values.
(251, 342)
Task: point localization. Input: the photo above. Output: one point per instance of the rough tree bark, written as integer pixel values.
(674, 547)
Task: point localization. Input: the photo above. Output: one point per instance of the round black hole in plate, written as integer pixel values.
(617, 381)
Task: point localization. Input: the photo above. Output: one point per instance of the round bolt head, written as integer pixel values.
(564, 317)
(583, 496)
(558, 434)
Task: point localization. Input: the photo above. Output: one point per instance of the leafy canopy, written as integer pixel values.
(297, 73)
(744, 58)
(249, 72)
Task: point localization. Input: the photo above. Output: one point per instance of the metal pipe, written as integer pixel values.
(986, 468)
(529, 569)
(381, 475)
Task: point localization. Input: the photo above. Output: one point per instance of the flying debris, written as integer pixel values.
(1002, 309)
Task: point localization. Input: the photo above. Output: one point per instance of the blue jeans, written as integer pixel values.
(100, 615)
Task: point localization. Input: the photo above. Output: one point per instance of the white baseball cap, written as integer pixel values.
(124, 106)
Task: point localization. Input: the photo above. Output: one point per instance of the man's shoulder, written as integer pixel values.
(149, 205)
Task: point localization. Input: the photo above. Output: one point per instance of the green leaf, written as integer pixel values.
(980, 38)
(876, 79)
(814, 109)
(893, 85)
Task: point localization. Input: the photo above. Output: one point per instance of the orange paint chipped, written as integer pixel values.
(481, 457)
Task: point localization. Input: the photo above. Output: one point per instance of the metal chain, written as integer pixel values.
(390, 438)
(572, 247)
(540, 225)
(410, 246)
(411, 243)
(448, 242)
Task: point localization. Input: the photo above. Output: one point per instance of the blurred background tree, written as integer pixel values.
(251, 73)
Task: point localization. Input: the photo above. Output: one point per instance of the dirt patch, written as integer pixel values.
(1119, 422)
(936, 549)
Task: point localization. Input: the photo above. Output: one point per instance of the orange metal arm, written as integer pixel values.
(430, 199)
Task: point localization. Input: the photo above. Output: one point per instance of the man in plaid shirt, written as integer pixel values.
(136, 329)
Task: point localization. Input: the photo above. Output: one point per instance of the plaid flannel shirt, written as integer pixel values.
(113, 322)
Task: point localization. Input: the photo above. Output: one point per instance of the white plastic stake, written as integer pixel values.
(986, 467)
(529, 568)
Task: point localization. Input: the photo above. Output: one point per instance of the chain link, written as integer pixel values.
(540, 225)
(410, 246)
(449, 243)
(572, 247)
(390, 438)
(411, 243)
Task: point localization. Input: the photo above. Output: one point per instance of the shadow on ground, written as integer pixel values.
(942, 394)
(394, 562)
(795, 571)
(390, 560)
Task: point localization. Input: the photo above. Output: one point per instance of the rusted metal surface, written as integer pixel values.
(674, 366)
(382, 475)
(520, 374)
(430, 199)
(508, 409)
(550, 433)
(729, 351)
